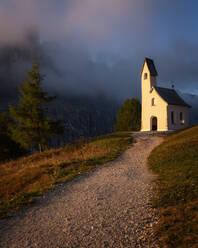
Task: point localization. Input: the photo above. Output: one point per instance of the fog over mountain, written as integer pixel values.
(90, 48)
(68, 70)
(193, 101)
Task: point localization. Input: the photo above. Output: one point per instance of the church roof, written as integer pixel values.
(151, 66)
(171, 97)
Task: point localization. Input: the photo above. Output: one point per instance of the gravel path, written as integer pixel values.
(108, 207)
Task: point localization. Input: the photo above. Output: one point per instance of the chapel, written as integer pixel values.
(162, 108)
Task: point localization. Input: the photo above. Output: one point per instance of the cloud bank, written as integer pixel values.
(91, 46)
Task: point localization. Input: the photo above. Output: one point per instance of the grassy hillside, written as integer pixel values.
(175, 162)
(24, 178)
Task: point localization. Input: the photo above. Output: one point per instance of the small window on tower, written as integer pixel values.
(153, 101)
(145, 76)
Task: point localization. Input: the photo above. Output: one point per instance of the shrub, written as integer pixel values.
(129, 116)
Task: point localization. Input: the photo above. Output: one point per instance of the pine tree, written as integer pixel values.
(129, 116)
(32, 129)
(9, 149)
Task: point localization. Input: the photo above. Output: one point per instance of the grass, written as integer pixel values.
(175, 162)
(22, 179)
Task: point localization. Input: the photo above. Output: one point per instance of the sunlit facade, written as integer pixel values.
(162, 108)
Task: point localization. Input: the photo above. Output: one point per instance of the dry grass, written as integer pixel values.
(21, 179)
(176, 163)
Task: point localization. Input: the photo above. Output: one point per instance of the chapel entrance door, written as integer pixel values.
(154, 123)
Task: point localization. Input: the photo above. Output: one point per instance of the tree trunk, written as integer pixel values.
(40, 148)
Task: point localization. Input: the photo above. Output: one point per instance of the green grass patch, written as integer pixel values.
(175, 162)
(22, 179)
(16, 202)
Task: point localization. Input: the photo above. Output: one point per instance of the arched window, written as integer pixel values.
(172, 118)
(153, 101)
(145, 76)
(181, 118)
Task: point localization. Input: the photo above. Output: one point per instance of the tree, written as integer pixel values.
(9, 149)
(32, 128)
(129, 116)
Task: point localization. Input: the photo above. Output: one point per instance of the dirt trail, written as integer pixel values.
(108, 207)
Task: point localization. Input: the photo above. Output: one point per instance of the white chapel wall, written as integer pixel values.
(177, 123)
(159, 109)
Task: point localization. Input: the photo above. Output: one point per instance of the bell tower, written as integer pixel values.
(148, 80)
(148, 74)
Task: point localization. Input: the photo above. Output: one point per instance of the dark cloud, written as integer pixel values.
(87, 46)
(179, 63)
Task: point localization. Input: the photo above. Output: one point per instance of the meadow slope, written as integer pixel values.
(175, 162)
(22, 179)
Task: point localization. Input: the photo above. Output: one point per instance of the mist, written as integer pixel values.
(88, 47)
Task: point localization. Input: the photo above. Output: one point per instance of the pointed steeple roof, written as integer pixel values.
(151, 66)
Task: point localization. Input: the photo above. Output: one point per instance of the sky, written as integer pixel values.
(98, 46)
